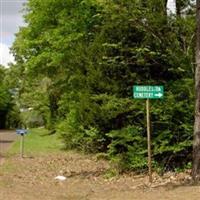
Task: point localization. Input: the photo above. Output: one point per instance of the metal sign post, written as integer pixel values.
(22, 146)
(148, 92)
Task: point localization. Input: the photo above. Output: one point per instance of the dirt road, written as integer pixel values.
(86, 179)
(6, 139)
(33, 178)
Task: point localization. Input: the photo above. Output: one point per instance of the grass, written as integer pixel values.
(37, 141)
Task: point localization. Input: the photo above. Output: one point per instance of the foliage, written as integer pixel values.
(127, 148)
(78, 60)
(6, 104)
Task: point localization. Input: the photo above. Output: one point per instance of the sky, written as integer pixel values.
(10, 21)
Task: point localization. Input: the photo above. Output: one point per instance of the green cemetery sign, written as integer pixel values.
(148, 92)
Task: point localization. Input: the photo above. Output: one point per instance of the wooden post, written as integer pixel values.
(22, 146)
(149, 139)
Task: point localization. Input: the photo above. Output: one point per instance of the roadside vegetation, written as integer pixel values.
(37, 141)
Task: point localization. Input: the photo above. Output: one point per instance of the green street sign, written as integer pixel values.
(148, 92)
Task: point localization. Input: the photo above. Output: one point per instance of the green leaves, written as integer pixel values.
(127, 148)
(5, 95)
(78, 60)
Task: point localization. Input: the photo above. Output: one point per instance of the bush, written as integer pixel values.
(127, 148)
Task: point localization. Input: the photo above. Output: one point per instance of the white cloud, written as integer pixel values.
(5, 55)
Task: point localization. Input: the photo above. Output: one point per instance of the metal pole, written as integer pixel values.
(22, 146)
(149, 139)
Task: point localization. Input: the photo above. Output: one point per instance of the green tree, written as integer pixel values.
(78, 61)
(5, 98)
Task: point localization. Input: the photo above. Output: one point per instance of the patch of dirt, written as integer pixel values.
(6, 139)
(33, 179)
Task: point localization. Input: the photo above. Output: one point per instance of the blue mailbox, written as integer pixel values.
(21, 131)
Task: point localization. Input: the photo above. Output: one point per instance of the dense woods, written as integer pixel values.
(76, 64)
(5, 99)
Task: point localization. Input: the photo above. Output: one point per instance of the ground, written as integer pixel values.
(87, 178)
(6, 139)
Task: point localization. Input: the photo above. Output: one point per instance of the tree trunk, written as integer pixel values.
(178, 8)
(196, 142)
(165, 2)
(165, 7)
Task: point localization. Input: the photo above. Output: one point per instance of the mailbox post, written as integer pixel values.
(21, 132)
